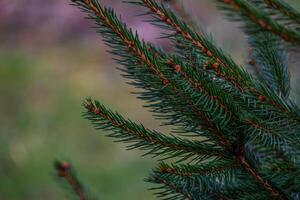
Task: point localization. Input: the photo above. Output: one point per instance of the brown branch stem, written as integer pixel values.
(63, 170)
(273, 191)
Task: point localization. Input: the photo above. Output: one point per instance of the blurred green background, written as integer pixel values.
(50, 61)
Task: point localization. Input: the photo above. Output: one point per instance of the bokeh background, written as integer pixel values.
(50, 60)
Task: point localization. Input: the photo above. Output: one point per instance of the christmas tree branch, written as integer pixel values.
(207, 90)
(262, 20)
(169, 190)
(165, 17)
(125, 36)
(175, 186)
(235, 114)
(268, 187)
(284, 8)
(226, 68)
(201, 169)
(270, 59)
(263, 97)
(275, 166)
(141, 53)
(223, 104)
(203, 174)
(253, 122)
(156, 143)
(105, 17)
(121, 35)
(198, 41)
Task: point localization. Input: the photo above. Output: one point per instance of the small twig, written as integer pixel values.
(63, 170)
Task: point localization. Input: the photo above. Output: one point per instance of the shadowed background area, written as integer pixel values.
(50, 61)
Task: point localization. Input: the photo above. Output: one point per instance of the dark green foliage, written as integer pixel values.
(154, 143)
(269, 61)
(281, 11)
(254, 11)
(199, 181)
(267, 53)
(245, 128)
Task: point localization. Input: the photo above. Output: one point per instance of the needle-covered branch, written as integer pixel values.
(246, 143)
(223, 66)
(171, 96)
(281, 11)
(262, 20)
(257, 123)
(269, 57)
(169, 189)
(227, 68)
(155, 143)
(209, 180)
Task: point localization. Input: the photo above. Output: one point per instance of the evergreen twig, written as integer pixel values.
(156, 143)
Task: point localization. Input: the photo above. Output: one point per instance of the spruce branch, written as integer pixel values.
(225, 67)
(202, 43)
(267, 53)
(155, 143)
(65, 173)
(289, 14)
(275, 166)
(238, 112)
(210, 180)
(125, 35)
(250, 169)
(169, 189)
(211, 93)
(265, 98)
(269, 56)
(262, 20)
(127, 131)
(244, 123)
(235, 114)
(267, 135)
(142, 56)
(206, 175)
(269, 62)
(201, 169)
